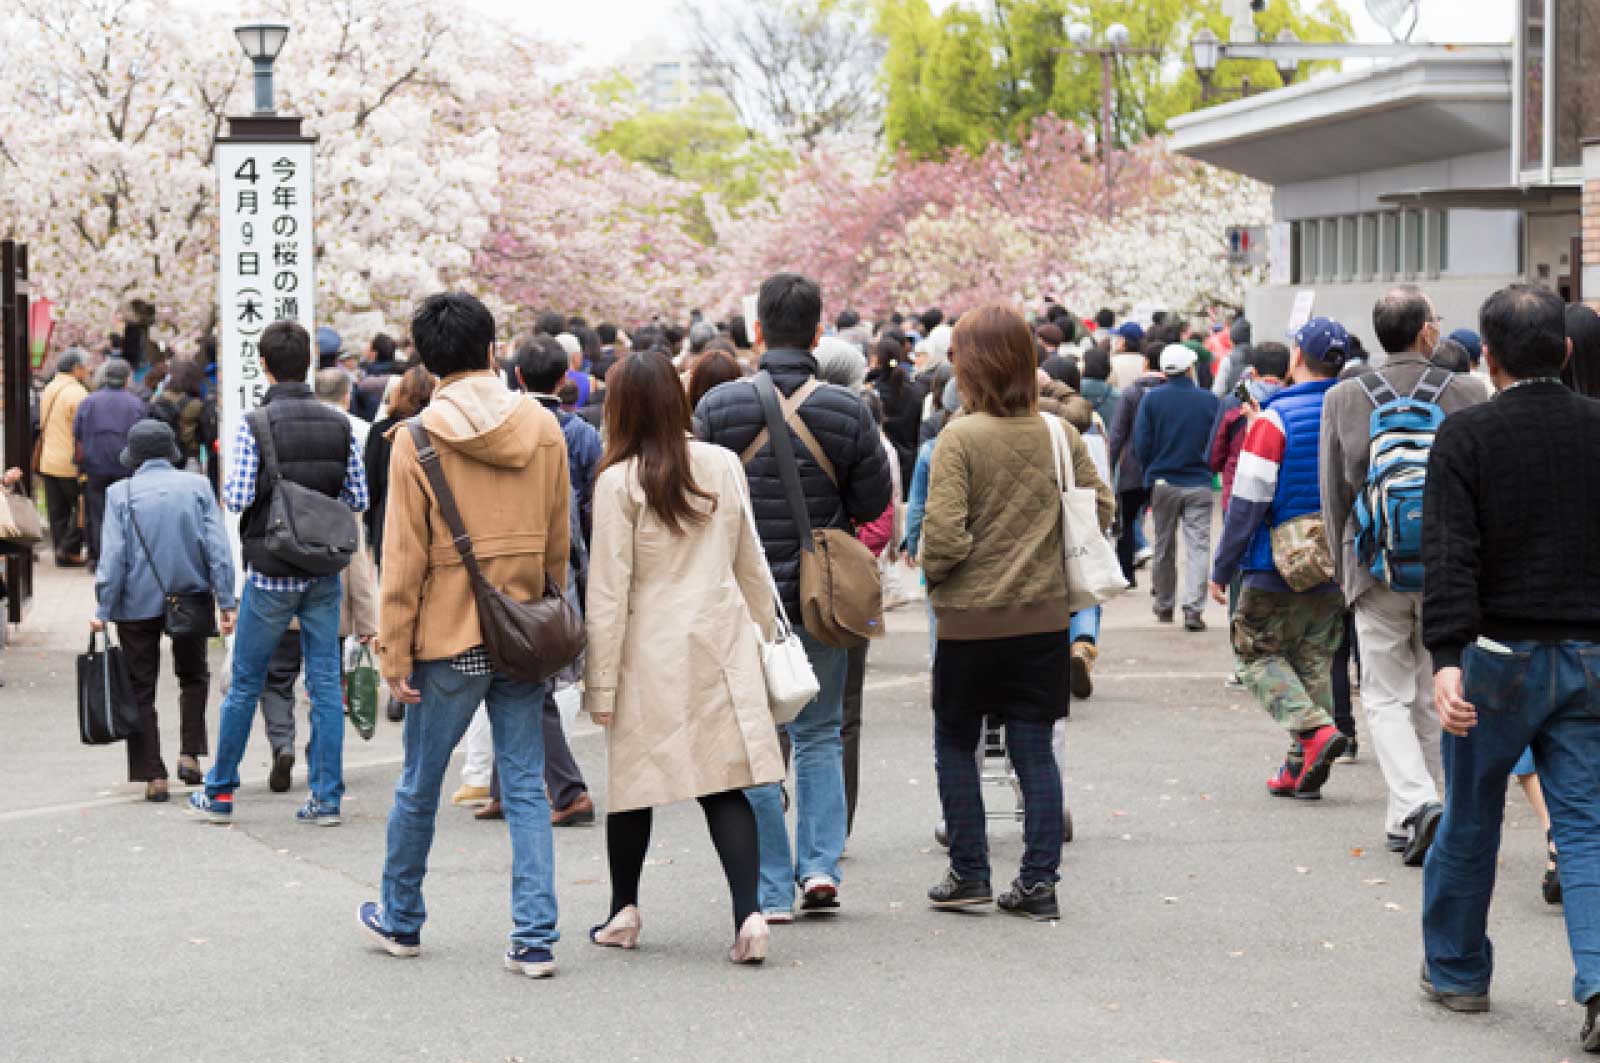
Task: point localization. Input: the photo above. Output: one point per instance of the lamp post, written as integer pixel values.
(1112, 47)
(262, 41)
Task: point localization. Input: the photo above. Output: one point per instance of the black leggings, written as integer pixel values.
(733, 832)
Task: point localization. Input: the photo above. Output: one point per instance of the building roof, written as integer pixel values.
(1396, 114)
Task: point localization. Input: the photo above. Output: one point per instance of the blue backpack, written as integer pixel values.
(1388, 511)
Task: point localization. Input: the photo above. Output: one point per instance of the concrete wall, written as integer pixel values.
(1456, 299)
(1355, 193)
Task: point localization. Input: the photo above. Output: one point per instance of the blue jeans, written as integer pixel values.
(1544, 695)
(956, 761)
(432, 731)
(263, 618)
(820, 810)
(1085, 625)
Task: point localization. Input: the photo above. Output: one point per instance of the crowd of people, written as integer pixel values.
(707, 498)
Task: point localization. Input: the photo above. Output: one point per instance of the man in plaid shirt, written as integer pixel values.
(316, 449)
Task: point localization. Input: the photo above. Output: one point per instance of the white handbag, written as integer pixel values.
(1094, 575)
(791, 683)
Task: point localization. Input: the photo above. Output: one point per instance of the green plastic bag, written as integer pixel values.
(361, 694)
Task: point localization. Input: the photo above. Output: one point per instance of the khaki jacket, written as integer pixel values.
(506, 463)
(58, 405)
(1346, 453)
(673, 648)
(991, 536)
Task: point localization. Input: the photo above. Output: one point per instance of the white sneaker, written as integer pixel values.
(819, 893)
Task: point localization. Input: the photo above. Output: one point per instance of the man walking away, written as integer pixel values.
(1172, 438)
(316, 450)
(1132, 498)
(1383, 587)
(101, 430)
(855, 490)
(504, 461)
(58, 409)
(1283, 638)
(1511, 614)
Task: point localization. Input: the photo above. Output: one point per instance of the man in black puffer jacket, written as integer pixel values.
(790, 315)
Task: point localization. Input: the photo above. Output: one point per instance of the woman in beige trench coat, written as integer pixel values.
(677, 586)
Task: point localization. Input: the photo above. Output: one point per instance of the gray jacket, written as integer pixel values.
(181, 524)
(1346, 445)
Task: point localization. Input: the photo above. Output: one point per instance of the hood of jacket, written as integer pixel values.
(478, 416)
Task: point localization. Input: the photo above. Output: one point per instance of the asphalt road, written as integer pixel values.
(1203, 922)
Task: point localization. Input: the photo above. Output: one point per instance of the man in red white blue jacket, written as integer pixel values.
(1284, 640)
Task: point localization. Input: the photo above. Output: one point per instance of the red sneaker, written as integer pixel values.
(1324, 746)
(1283, 783)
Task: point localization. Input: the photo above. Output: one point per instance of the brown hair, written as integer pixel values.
(647, 417)
(185, 375)
(412, 393)
(714, 367)
(993, 352)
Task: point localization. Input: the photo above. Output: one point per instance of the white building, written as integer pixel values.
(1449, 171)
(667, 74)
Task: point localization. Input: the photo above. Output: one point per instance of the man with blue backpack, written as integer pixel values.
(1377, 433)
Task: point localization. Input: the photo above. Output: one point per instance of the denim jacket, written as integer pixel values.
(182, 525)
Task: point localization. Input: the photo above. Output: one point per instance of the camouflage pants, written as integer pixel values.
(1285, 643)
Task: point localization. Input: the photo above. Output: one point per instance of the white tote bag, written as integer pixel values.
(1094, 575)
(791, 683)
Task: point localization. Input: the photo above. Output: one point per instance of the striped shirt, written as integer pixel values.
(1255, 484)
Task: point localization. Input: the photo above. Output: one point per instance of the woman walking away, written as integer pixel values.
(676, 578)
(993, 556)
(407, 398)
(162, 536)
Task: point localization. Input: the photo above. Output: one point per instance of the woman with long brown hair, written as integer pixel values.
(407, 398)
(994, 559)
(678, 586)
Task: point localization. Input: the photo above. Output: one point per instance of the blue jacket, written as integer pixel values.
(1300, 409)
(1172, 436)
(181, 524)
(102, 425)
(583, 459)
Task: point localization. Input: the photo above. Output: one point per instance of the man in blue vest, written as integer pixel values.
(1285, 637)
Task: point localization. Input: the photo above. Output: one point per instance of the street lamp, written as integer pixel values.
(262, 41)
(1287, 62)
(1117, 38)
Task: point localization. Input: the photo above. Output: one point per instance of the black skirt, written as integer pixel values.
(1024, 678)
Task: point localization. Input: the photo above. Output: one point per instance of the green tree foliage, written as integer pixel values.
(966, 77)
(703, 144)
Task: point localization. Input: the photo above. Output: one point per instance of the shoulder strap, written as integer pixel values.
(44, 418)
(783, 451)
(1377, 389)
(134, 520)
(428, 458)
(1061, 451)
(1432, 385)
(791, 416)
(742, 487)
(261, 427)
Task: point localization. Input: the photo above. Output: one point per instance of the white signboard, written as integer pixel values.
(1301, 312)
(1281, 254)
(266, 270)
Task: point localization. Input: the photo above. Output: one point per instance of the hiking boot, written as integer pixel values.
(1037, 902)
(953, 892)
(1321, 748)
(1084, 654)
(1423, 823)
(1467, 1003)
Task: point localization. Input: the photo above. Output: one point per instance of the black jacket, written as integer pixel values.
(312, 441)
(1509, 546)
(730, 415)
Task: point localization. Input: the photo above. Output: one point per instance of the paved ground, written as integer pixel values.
(1203, 922)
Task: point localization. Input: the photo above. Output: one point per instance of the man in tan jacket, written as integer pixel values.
(505, 461)
(58, 405)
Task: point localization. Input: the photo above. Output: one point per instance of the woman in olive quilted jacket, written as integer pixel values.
(993, 556)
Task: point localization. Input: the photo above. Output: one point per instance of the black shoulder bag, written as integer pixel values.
(530, 641)
(306, 529)
(186, 614)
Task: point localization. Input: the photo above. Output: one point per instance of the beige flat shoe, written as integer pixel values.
(751, 946)
(470, 795)
(622, 932)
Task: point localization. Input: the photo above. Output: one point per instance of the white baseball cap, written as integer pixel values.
(1176, 359)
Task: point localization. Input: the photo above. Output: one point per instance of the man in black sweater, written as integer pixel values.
(1511, 616)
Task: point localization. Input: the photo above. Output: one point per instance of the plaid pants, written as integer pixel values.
(955, 747)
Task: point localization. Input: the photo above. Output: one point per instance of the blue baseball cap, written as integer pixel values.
(1130, 331)
(1469, 339)
(1324, 340)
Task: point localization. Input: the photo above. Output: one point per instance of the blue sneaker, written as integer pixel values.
(217, 809)
(370, 916)
(316, 815)
(533, 962)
